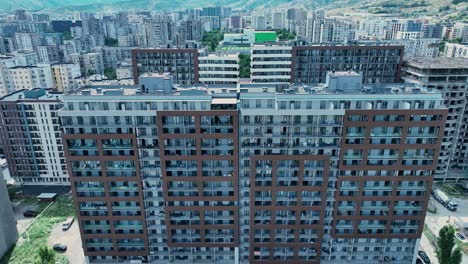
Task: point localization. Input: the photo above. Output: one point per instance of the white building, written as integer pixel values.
(278, 20)
(29, 77)
(408, 34)
(27, 41)
(93, 63)
(454, 50)
(420, 47)
(210, 23)
(41, 161)
(218, 68)
(6, 84)
(64, 75)
(460, 31)
(126, 41)
(259, 22)
(124, 73)
(270, 64)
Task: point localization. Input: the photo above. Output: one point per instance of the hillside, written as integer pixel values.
(457, 9)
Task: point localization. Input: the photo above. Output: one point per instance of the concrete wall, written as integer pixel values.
(8, 231)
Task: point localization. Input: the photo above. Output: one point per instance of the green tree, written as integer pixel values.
(446, 254)
(66, 35)
(46, 255)
(284, 34)
(244, 66)
(111, 42)
(211, 39)
(110, 73)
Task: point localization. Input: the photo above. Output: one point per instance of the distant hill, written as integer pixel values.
(444, 8)
(116, 5)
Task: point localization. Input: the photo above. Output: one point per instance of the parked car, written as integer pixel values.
(419, 261)
(424, 257)
(60, 247)
(459, 236)
(68, 223)
(30, 213)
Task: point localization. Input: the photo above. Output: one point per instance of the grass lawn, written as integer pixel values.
(453, 189)
(463, 246)
(39, 231)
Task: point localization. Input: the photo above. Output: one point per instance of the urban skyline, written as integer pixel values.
(227, 135)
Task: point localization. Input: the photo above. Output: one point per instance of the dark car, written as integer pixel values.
(60, 247)
(419, 261)
(460, 236)
(424, 257)
(30, 213)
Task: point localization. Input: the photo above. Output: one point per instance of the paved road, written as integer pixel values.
(443, 217)
(71, 238)
(22, 223)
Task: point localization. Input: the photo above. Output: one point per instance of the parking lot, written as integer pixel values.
(440, 219)
(70, 238)
(22, 223)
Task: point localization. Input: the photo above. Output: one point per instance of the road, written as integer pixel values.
(443, 217)
(71, 238)
(22, 223)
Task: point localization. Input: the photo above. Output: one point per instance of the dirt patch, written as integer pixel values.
(72, 239)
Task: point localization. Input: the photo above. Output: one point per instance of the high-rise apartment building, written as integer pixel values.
(218, 68)
(309, 64)
(31, 137)
(270, 63)
(336, 173)
(182, 63)
(64, 75)
(376, 63)
(29, 77)
(454, 50)
(450, 76)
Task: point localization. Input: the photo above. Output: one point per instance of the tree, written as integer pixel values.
(244, 66)
(110, 73)
(446, 254)
(284, 34)
(46, 255)
(112, 42)
(67, 35)
(211, 39)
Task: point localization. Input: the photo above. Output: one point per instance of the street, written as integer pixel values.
(71, 238)
(436, 221)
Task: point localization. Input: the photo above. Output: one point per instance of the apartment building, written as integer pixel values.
(454, 50)
(450, 76)
(376, 63)
(182, 63)
(6, 83)
(64, 75)
(270, 63)
(218, 68)
(29, 77)
(337, 173)
(421, 47)
(31, 138)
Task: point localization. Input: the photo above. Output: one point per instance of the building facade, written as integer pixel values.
(270, 64)
(31, 137)
(217, 68)
(64, 75)
(8, 231)
(181, 63)
(450, 76)
(376, 63)
(307, 175)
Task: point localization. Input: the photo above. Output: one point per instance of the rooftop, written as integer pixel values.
(32, 95)
(322, 89)
(345, 73)
(439, 63)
